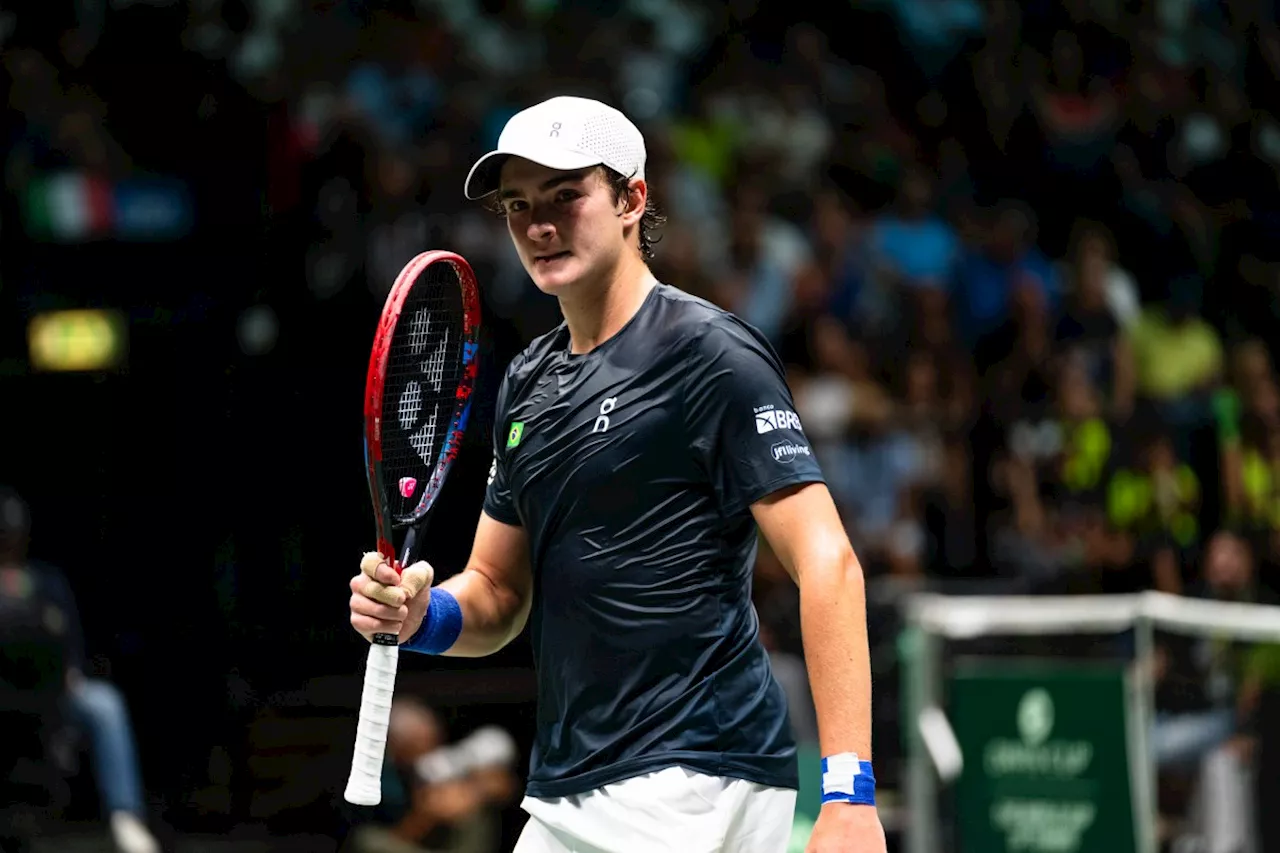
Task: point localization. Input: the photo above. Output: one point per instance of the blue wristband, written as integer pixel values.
(841, 783)
(440, 626)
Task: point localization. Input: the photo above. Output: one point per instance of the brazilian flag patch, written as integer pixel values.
(513, 437)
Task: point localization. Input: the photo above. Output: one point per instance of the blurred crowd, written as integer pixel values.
(1022, 260)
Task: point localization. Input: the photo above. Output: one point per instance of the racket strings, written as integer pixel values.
(424, 370)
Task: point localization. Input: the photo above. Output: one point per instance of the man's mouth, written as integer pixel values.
(546, 259)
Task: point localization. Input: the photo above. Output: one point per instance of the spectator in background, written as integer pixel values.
(1092, 442)
(765, 253)
(1093, 271)
(1261, 692)
(838, 231)
(679, 261)
(876, 143)
(928, 410)
(989, 275)
(800, 332)
(813, 64)
(1000, 89)
(95, 704)
(1078, 114)
(439, 797)
(691, 197)
(648, 76)
(501, 45)
(910, 243)
(1179, 360)
(792, 132)
(1054, 472)
(1206, 700)
(391, 85)
(35, 644)
(935, 31)
(1258, 507)
(874, 474)
(60, 126)
(948, 513)
(398, 224)
(1087, 440)
(1156, 504)
(1247, 410)
(1087, 332)
(1025, 547)
(1015, 361)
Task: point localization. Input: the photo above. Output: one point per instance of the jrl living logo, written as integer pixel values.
(785, 451)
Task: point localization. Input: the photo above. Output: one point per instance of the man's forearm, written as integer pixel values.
(492, 614)
(833, 618)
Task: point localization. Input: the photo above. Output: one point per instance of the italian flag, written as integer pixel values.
(69, 206)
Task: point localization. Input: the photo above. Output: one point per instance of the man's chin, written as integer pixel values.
(552, 281)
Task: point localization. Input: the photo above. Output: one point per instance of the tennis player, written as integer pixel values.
(639, 448)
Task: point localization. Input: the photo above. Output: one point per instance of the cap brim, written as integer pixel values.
(484, 176)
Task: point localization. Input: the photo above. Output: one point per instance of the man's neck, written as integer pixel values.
(596, 314)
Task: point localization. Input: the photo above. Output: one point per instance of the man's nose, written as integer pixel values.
(539, 229)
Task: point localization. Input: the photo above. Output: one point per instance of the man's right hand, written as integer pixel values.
(386, 602)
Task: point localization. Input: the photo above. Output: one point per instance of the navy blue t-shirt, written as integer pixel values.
(632, 469)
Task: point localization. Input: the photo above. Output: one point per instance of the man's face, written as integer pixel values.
(1227, 565)
(567, 227)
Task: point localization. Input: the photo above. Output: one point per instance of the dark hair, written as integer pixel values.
(651, 221)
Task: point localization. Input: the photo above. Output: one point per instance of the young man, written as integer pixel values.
(638, 447)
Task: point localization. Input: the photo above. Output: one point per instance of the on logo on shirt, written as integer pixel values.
(769, 418)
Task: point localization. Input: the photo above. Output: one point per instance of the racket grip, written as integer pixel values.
(364, 786)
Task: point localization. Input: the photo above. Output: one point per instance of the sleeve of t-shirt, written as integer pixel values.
(740, 417)
(498, 503)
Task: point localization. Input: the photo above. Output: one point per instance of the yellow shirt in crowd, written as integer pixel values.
(1173, 360)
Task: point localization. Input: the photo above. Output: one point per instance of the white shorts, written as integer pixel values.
(674, 810)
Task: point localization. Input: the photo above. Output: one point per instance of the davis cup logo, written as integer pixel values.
(768, 419)
(1035, 716)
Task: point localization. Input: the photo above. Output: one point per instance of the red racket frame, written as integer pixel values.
(376, 379)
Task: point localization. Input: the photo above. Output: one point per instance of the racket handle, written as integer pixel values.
(364, 786)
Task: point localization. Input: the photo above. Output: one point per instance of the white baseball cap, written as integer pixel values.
(563, 133)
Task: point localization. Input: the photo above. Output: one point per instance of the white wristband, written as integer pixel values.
(838, 772)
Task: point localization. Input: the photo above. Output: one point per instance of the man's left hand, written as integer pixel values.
(847, 828)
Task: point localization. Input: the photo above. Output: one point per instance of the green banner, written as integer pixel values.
(1046, 757)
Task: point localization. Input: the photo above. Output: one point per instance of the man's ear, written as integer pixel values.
(633, 201)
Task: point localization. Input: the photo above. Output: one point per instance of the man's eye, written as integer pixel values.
(565, 196)
(516, 205)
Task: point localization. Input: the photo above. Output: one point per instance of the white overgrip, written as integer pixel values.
(364, 786)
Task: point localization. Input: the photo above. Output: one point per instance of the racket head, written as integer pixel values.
(418, 390)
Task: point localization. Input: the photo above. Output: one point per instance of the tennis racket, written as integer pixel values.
(417, 402)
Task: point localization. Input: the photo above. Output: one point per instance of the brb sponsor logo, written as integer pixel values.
(769, 418)
(785, 451)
